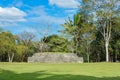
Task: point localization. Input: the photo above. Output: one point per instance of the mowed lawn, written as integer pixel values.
(41, 71)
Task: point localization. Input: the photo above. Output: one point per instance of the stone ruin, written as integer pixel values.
(55, 58)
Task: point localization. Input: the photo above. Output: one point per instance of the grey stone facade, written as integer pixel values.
(55, 58)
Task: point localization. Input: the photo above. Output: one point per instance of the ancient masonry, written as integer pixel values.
(55, 58)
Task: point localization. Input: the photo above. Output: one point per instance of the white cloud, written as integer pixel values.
(7, 24)
(70, 11)
(39, 10)
(43, 16)
(65, 3)
(47, 19)
(12, 14)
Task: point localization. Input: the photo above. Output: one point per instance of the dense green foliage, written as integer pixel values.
(20, 47)
(56, 43)
(94, 28)
(7, 45)
(36, 71)
(12, 48)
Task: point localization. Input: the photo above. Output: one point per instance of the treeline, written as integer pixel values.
(13, 47)
(19, 47)
(93, 33)
(95, 30)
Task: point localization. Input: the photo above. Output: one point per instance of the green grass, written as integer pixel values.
(54, 52)
(41, 71)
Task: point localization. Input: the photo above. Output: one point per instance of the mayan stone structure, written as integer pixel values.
(55, 58)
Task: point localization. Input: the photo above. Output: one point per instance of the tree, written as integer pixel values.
(97, 48)
(115, 45)
(22, 51)
(8, 46)
(26, 38)
(74, 28)
(88, 38)
(88, 29)
(57, 43)
(41, 45)
(105, 13)
(82, 31)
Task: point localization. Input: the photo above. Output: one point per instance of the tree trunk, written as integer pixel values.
(0, 58)
(23, 56)
(10, 57)
(88, 55)
(88, 58)
(76, 45)
(98, 59)
(115, 57)
(107, 52)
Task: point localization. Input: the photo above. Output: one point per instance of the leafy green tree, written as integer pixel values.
(26, 40)
(115, 45)
(97, 48)
(74, 28)
(108, 10)
(81, 30)
(106, 14)
(88, 37)
(22, 51)
(7, 41)
(57, 43)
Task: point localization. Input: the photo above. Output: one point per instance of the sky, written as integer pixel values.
(36, 15)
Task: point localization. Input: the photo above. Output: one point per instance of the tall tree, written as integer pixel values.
(26, 38)
(105, 13)
(73, 28)
(82, 31)
(8, 45)
(43, 32)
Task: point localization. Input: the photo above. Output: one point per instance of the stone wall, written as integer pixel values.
(55, 58)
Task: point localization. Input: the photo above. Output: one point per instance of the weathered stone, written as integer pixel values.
(55, 58)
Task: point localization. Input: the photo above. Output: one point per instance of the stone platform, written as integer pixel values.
(55, 58)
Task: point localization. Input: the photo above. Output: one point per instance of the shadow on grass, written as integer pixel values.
(43, 75)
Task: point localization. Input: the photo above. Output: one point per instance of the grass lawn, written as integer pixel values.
(41, 71)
